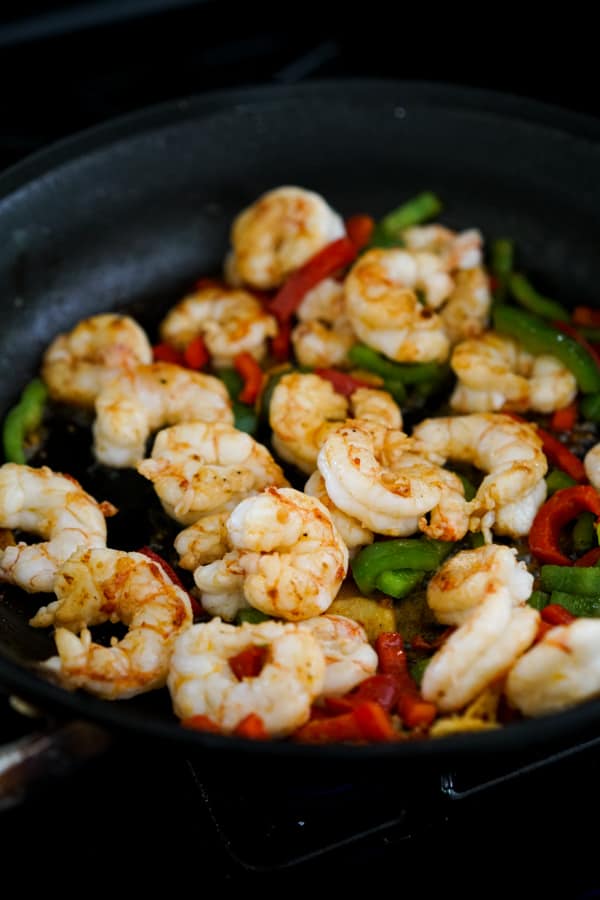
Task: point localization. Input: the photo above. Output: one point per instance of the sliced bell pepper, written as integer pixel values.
(578, 337)
(591, 558)
(564, 506)
(414, 711)
(326, 262)
(166, 353)
(589, 407)
(501, 265)
(253, 375)
(342, 382)
(555, 614)
(539, 336)
(281, 344)
(248, 663)
(556, 452)
(201, 723)
(419, 209)
(24, 418)
(400, 582)
(564, 419)
(586, 315)
(196, 355)
(526, 295)
(589, 607)
(539, 599)
(582, 580)
(359, 229)
(584, 533)
(251, 727)
(556, 480)
(419, 554)
(407, 373)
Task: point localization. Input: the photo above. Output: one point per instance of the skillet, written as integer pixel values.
(127, 215)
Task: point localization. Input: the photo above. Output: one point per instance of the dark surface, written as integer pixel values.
(135, 814)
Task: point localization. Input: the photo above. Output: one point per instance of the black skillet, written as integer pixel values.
(130, 213)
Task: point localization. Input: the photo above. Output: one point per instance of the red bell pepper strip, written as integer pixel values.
(342, 382)
(197, 608)
(414, 711)
(585, 315)
(555, 614)
(374, 721)
(589, 559)
(249, 662)
(166, 353)
(281, 344)
(196, 354)
(329, 730)
(556, 452)
(252, 727)
(359, 229)
(564, 419)
(562, 507)
(251, 372)
(542, 631)
(381, 689)
(201, 723)
(334, 256)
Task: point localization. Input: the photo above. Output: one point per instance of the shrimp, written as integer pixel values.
(466, 313)
(458, 250)
(203, 542)
(494, 373)
(78, 364)
(304, 409)
(466, 579)
(591, 464)
(359, 480)
(352, 532)
(129, 408)
(201, 681)
(102, 585)
(510, 451)
(278, 233)
(230, 321)
(287, 557)
(51, 505)
(385, 313)
(323, 335)
(480, 651)
(563, 669)
(199, 468)
(349, 657)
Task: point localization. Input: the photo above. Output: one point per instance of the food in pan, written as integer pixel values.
(346, 491)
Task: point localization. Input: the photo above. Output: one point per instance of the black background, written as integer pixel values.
(135, 809)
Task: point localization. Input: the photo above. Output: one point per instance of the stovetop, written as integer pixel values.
(155, 813)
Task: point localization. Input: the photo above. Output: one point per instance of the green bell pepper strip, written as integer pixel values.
(420, 554)
(584, 580)
(476, 540)
(245, 417)
(584, 532)
(501, 266)
(407, 373)
(557, 480)
(417, 670)
(589, 407)
(252, 615)
(538, 336)
(232, 380)
(577, 604)
(539, 599)
(22, 419)
(400, 582)
(527, 296)
(388, 231)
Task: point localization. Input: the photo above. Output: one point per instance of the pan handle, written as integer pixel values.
(47, 753)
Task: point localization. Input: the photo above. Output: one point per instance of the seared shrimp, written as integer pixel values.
(494, 373)
(349, 657)
(279, 233)
(466, 313)
(385, 313)
(53, 506)
(510, 451)
(563, 669)
(202, 682)
(352, 532)
(305, 409)
(481, 650)
(323, 335)
(199, 468)
(203, 542)
(591, 464)
(230, 321)
(457, 250)
(287, 557)
(129, 408)
(102, 585)
(466, 579)
(78, 364)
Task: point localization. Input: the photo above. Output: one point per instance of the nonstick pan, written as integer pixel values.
(128, 215)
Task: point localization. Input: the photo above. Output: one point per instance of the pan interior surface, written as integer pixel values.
(126, 218)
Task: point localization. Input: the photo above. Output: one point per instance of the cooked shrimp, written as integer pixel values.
(349, 657)
(324, 302)
(102, 585)
(287, 556)
(352, 532)
(279, 233)
(230, 321)
(510, 451)
(591, 464)
(466, 580)
(51, 505)
(385, 313)
(324, 334)
(202, 683)
(360, 481)
(466, 313)
(563, 669)
(458, 250)
(481, 650)
(199, 468)
(203, 542)
(78, 364)
(494, 373)
(129, 408)
(306, 408)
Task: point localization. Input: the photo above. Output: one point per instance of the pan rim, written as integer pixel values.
(532, 733)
